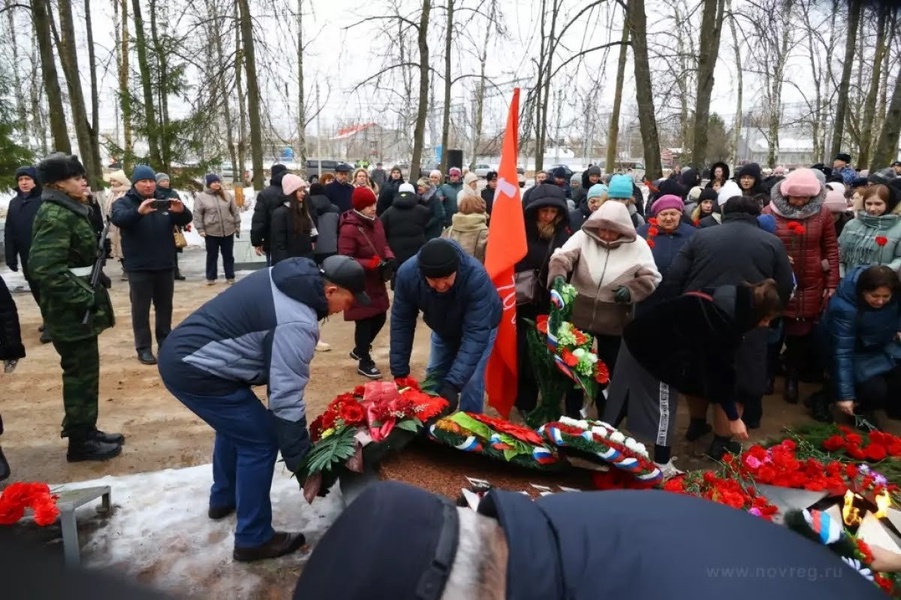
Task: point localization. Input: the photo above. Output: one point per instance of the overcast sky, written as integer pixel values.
(340, 57)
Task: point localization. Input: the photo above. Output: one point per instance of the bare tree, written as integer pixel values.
(68, 55)
(151, 128)
(422, 41)
(650, 140)
(125, 85)
(769, 29)
(445, 114)
(41, 17)
(18, 98)
(301, 107)
(867, 129)
(613, 129)
(708, 50)
(855, 7)
(739, 82)
(253, 94)
(887, 146)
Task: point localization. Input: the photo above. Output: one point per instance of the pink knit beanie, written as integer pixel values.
(802, 183)
(835, 201)
(667, 201)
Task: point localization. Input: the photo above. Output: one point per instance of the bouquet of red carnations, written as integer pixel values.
(359, 428)
(17, 497)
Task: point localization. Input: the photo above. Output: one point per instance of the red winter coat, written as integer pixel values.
(814, 252)
(357, 237)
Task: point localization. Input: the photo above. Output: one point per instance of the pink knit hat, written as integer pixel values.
(667, 201)
(802, 183)
(835, 201)
(291, 183)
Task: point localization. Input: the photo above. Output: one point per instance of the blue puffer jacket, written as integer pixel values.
(463, 316)
(861, 339)
(148, 243)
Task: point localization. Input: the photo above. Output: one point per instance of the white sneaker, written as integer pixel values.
(322, 347)
(668, 469)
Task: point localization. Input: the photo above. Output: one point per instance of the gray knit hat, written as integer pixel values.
(161, 177)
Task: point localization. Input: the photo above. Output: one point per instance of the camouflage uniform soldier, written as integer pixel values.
(63, 250)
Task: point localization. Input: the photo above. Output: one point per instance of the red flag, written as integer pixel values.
(506, 246)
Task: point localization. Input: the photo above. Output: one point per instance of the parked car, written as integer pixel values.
(328, 166)
(482, 169)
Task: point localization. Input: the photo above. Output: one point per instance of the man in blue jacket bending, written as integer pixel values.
(261, 331)
(461, 306)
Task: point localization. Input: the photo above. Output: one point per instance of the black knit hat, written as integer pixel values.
(438, 258)
(59, 167)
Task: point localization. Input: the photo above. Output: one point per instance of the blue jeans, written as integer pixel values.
(215, 245)
(441, 359)
(243, 459)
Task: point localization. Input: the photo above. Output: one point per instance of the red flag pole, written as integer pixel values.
(506, 246)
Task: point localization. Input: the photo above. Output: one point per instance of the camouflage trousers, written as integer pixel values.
(80, 361)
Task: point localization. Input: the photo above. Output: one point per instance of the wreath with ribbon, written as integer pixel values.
(497, 439)
(561, 356)
(603, 442)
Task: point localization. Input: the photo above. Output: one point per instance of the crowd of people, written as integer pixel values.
(710, 287)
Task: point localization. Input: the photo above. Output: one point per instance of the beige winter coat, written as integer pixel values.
(471, 232)
(215, 215)
(600, 268)
(115, 237)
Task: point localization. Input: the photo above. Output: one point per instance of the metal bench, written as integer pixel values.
(68, 502)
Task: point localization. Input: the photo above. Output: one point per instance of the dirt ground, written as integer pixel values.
(164, 434)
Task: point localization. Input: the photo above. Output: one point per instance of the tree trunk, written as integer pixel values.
(19, 99)
(887, 146)
(841, 108)
(613, 131)
(301, 108)
(546, 80)
(867, 138)
(40, 14)
(68, 57)
(445, 115)
(241, 152)
(125, 91)
(422, 40)
(543, 49)
(221, 66)
(253, 96)
(712, 25)
(162, 90)
(151, 125)
(886, 75)
(638, 24)
(95, 91)
(736, 48)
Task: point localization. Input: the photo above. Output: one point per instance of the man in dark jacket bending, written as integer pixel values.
(261, 331)
(461, 306)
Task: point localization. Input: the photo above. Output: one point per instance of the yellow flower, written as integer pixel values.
(327, 432)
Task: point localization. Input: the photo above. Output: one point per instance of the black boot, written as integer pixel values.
(179, 276)
(45, 337)
(697, 429)
(86, 448)
(790, 394)
(107, 438)
(819, 407)
(4, 466)
(720, 446)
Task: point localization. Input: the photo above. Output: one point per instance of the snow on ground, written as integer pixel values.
(159, 533)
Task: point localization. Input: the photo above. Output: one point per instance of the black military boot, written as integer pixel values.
(107, 438)
(87, 448)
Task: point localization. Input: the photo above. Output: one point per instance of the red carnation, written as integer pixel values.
(45, 512)
(650, 243)
(833, 443)
(352, 414)
(652, 230)
(569, 358)
(881, 240)
(875, 452)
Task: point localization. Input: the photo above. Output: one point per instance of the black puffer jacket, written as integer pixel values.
(540, 250)
(405, 222)
(11, 347)
(386, 195)
(267, 201)
(19, 220)
(733, 253)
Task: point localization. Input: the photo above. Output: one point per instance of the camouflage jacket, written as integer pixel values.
(64, 241)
